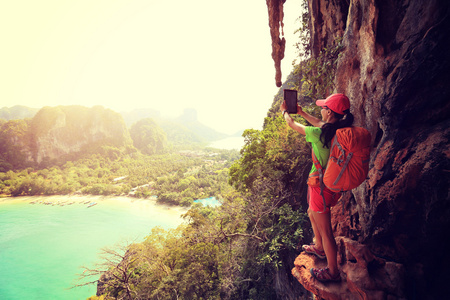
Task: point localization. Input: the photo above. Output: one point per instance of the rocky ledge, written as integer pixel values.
(363, 275)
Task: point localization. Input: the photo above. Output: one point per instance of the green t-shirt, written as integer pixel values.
(322, 154)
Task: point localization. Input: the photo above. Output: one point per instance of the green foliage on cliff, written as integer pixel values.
(318, 73)
(148, 137)
(46, 119)
(273, 154)
(303, 46)
(272, 172)
(13, 137)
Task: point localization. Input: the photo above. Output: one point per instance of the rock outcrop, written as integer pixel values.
(393, 231)
(58, 131)
(276, 14)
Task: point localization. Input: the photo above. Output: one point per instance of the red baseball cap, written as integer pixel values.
(336, 102)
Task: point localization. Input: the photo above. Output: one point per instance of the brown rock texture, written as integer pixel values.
(276, 14)
(362, 274)
(392, 231)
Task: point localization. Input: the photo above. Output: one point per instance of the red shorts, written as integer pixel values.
(315, 200)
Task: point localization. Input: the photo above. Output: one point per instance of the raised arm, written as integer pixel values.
(297, 126)
(300, 128)
(316, 122)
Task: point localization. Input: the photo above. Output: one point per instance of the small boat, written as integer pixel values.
(92, 204)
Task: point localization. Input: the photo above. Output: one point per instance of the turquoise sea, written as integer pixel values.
(234, 142)
(42, 247)
(211, 201)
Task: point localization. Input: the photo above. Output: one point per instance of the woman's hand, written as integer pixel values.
(283, 106)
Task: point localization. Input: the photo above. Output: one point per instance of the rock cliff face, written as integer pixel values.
(57, 131)
(393, 231)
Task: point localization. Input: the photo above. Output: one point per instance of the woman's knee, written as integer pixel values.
(322, 220)
(310, 214)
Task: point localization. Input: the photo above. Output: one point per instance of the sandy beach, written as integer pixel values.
(91, 201)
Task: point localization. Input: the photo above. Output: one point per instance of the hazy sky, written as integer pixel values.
(211, 55)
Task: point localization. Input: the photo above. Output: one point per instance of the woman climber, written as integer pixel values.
(335, 115)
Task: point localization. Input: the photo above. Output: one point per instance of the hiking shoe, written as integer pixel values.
(311, 249)
(324, 275)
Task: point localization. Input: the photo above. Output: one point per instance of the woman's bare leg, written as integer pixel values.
(323, 223)
(318, 237)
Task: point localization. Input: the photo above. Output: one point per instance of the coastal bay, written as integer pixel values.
(43, 245)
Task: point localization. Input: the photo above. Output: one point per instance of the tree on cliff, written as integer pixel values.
(148, 137)
(117, 272)
(13, 138)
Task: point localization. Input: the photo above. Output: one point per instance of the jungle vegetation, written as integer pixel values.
(175, 178)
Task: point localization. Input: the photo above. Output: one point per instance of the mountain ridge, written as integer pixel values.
(187, 123)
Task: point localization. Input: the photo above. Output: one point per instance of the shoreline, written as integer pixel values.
(45, 245)
(77, 200)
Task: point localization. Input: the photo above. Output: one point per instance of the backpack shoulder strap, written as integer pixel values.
(316, 161)
(321, 172)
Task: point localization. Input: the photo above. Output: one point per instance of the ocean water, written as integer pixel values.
(229, 143)
(211, 201)
(42, 247)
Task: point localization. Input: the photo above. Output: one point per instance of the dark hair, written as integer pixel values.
(329, 129)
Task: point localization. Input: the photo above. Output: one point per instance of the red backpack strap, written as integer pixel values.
(321, 172)
(340, 159)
